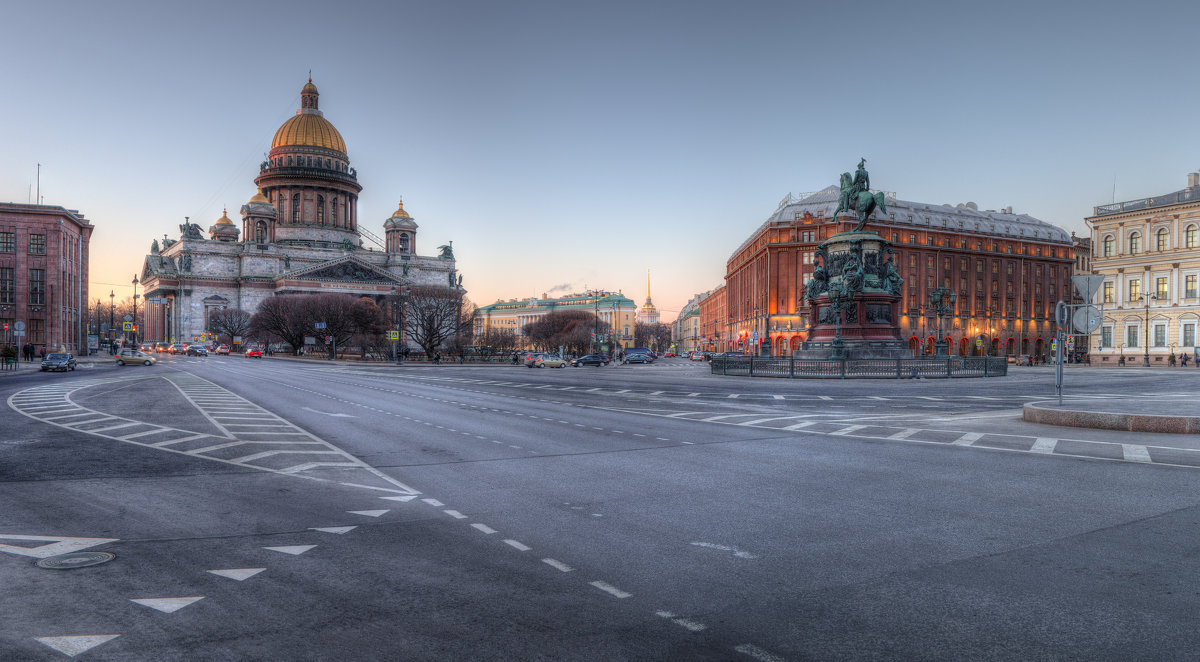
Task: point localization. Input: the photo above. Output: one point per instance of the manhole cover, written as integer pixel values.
(75, 560)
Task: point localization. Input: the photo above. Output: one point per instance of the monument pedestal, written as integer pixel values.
(854, 297)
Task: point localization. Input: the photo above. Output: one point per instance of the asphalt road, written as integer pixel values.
(282, 510)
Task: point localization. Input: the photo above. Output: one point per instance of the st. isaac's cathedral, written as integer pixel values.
(299, 234)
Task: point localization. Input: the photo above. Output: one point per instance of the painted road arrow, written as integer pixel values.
(58, 545)
(326, 413)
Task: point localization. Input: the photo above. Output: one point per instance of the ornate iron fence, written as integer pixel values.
(910, 368)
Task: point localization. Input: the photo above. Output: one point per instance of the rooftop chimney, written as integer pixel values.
(1193, 179)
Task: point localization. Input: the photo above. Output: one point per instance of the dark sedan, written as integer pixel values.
(637, 358)
(58, 361)
(590, 359)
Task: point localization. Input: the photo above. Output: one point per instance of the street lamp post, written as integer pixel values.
(135, 298)
(941, 301)
(112, 307)
(1146, 299)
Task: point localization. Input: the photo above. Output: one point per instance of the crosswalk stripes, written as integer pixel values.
(273, 444)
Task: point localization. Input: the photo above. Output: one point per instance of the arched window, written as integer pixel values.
(295, 208)
(403, 242)
(260, 232)
(1160, 240)
(1108, 246)
(1135, 243)
(289, 160)
(333, 211)
(1189, 236)
(321, 209)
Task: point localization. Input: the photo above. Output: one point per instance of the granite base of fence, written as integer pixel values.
(793, 368)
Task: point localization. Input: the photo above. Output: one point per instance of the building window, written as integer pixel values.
(1010, 268)
(37, 244)
(333, 211)
(1160, 240)
(8, 242)
(403, 242)
(1131, 336)
(1135, 290)
(1189, 335)
(1108, 292)
(321, 209)
(260, 232)
(912, 238)
(1189, 286)
(1189, 236)
(37, 286)
(1135, 243)
(1160, 288)
(8, 285)
(289, 160)
(1106, 337)
(37, 331)
(295, 208)
(1160, 335)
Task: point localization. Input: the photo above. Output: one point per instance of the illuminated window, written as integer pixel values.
(1160, 288)
(1135, 243)
(1189, 286)
(1160, 240)
(1135, 290)
(1108, 292)
(1189, 236)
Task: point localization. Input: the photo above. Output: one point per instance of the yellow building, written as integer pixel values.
(612, 308)
(1148, 251)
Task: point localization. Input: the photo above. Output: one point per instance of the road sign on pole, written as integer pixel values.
(19, 326)
(1087, 285)
(1086, 319)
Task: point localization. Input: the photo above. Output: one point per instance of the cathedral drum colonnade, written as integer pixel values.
(300, 233)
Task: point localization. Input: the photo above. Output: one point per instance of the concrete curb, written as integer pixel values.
(1048, 413)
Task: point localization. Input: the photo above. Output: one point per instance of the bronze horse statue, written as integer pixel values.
(862, 203)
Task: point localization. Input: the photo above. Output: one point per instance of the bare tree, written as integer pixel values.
(656, 336)
(229, 322)
(283, 317)
(571, 329)
(431, 315)
(497, 341)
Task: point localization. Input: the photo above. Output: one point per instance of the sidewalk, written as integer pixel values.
(1134, 414)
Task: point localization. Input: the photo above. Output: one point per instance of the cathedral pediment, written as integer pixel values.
(343, 270)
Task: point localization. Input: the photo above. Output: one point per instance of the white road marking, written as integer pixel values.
(239, 574)
(847, 430)
(57, 545)
(967, 439)
(1044, 445)
(75, 644)
(167, 605)
(726, 548)
(399, 498)
(1135, 453)
(757, 653)
(368, 513)
(294, 550)
(433, 502)
(799, 426)
(517, 545)
(610, 589)
(334, 529)
(558, 565)
(483, 527)
(455, 514)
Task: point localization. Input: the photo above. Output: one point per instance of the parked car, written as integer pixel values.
(637, 357)
(135, 357)
(550, 361)
(223, 350)
(590, 359)
(531, 358)
(58, 361)
(254, 353)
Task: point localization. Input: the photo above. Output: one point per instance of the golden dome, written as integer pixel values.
(259, 197)
(400, 213)
(224, 220)
(310, 130)
(309, 87)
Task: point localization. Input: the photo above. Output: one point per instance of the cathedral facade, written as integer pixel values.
(299, 233)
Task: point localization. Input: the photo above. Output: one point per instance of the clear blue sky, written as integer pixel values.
(572, 144)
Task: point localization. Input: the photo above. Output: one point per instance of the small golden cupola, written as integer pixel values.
(400, 232)
(224, 229)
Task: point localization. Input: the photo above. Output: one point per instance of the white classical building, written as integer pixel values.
(1148, 251)
(299, 233)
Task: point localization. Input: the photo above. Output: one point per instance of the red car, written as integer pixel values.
(254, 353)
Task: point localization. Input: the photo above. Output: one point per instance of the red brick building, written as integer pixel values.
(44, 275)
(712, 321)
(1008, 270)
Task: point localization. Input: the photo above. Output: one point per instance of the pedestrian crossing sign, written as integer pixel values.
(393, 335)
(127, 326)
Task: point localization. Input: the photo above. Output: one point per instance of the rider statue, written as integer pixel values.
(856, 196)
